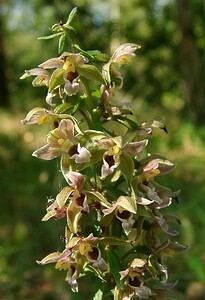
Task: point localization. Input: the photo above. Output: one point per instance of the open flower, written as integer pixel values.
(62, 141)
(123, 209)
(115, 147)
(66, 74)
(41, 115)
(133, 280)
(41, 79)
(121, 56)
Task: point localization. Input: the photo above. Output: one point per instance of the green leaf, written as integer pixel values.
(96, 119)
(115, 267)
(77, 105)
(51, 36)
(49, 258)
(71, 16)
(61, 43)
(90, 72)
(98, 295)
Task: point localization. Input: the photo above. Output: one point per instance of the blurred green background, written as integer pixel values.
(165, 82)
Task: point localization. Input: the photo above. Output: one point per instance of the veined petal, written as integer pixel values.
(66, 127)
(124, 53)
(144, 201)
(35, 72)
(77, 179)
(71, 88)
(47, 152)
(135, 147)
(82, 156)
(52, 63)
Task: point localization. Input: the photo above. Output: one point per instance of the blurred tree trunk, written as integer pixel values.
(3, 80)
(191, 63)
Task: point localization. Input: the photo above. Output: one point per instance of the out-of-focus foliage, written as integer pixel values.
(158, 91)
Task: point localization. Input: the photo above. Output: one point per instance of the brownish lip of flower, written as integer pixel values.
(94, 254)
(124, 214)
(110, 160)
(73, 150)
(80, 200)
(72, 75)
(134, 282)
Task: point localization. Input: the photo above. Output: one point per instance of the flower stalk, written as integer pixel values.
(111, 201)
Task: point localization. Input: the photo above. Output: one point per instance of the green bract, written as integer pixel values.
(111, 202)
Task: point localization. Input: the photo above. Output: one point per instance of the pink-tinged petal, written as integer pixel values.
(71, 88)
(77, 59)
(100, 264)
(34, 115)
(127, 226)
(135, 147)
(124, 273)
(75, 178)
(110, 210)
(52, 63)
(72, 279)
(105, 143)
(152, 165)
(143, 292)
(49, 97)
(144, 201)
(82, 156)
(66, 127)
(124, 53)
(35, 72)
(47, 152)
(50, 258)
(107, 169)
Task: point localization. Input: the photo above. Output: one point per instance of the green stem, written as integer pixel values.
(88, 99)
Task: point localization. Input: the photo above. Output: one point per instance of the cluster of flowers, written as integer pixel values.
(111, 201)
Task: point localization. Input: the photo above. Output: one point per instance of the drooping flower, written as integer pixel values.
(41, 115)
(115, 147)
(134, 284)
(123, 209)
(42, 76)
(65, 77)
(61, 141)
(66, 74)
(121, 56)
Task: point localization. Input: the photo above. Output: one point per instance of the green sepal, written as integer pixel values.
(90, 72)
(62, 108)
(56, 79)
(77, 105)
